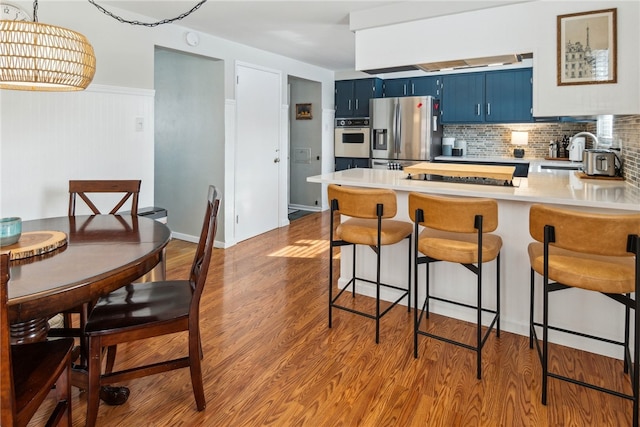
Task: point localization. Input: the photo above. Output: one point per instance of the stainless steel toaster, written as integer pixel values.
(599, 162)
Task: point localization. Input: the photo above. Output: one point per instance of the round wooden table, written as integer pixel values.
(103, 253)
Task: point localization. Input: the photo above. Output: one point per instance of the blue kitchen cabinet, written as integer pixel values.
(414, 86)
(344, 98)
(396, 87)
(426, 86)
(352, 96)
(463, 98)
(509, 96)
(343, 163)
(504, 96)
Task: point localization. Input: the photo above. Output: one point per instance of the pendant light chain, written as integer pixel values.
(145, 24)
(35, 10)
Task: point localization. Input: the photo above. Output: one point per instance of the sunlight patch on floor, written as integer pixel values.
(303, 249)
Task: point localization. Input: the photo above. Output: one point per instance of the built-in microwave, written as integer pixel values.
(352, 138)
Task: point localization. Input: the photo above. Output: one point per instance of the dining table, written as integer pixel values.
(98, 254)
(85, 257)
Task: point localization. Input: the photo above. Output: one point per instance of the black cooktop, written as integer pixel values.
(463, 180)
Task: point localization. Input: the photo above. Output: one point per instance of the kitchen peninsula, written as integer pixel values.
(542, 185)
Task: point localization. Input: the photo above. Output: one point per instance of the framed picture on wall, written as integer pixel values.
(303, 112)
(587, 48)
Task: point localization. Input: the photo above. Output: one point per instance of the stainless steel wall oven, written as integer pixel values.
(352, 138)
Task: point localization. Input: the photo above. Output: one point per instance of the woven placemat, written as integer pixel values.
(34, 243)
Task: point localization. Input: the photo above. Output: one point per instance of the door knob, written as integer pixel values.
(276, 160)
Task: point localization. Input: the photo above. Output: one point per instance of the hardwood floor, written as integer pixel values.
(270, 359)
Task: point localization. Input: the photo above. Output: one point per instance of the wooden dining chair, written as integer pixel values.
(29, 371)
(152, 309)
(80, 188)
(130, 190)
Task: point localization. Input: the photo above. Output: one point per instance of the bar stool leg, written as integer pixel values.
(415, 294)
(331, 248)
(353, 271)
(636, 360)
(498, 294)
(545, 337)
(409, 278)
(378, 293)
(479, 323)
(531, 307)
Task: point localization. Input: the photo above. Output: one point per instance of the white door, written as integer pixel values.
(258, 160)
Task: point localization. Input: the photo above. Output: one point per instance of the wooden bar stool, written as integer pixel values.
(370, 224)
(456, 230)
(594, 252)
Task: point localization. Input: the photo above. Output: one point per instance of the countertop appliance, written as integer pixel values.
(404, 131)
(600, 162)
(352, 138)
(576, 148)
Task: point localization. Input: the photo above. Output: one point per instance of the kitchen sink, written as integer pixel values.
(562, 167)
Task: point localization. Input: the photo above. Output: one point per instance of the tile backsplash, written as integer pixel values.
(488, 140)
(495, 140)
(626, 134)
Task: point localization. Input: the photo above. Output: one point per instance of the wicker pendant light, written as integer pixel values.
(41, 57)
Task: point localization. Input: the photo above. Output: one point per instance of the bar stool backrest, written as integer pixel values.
(455, 214)
(362, 202)
(587, 232)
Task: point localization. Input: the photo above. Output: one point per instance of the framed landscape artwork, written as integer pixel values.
(303, 112)
(587, 48)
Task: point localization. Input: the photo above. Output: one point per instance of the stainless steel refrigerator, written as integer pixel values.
(404, 131)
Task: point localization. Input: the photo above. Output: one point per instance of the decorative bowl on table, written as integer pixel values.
(10, 230)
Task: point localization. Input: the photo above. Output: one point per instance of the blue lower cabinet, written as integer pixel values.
(343, 163)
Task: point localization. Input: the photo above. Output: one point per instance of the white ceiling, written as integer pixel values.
(315, 32)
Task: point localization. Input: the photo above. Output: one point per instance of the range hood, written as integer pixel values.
(472, 62)
(456, 64)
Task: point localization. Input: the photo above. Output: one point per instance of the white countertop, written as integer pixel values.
(562, 187)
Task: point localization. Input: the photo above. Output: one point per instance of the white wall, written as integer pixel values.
(520, 28)
(46, 139)
(125, 58)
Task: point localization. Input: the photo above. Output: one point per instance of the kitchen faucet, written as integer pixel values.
(595, 138)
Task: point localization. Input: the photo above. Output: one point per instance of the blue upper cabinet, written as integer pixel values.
(426, 86)
(509, 96)
(414, 86)
(463, 98)
(352, 96)
(396, 87)
(344, 98)
(504, 96)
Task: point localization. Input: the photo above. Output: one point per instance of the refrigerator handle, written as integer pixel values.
(397, 129)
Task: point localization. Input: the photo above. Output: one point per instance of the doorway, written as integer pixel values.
(305, 145)
(189, 137)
